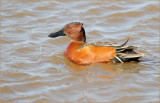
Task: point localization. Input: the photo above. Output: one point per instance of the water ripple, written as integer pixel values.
(34, 68)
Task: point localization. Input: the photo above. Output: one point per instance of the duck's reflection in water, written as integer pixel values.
(102, 70)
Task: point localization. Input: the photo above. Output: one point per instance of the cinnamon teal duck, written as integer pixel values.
(81, 52)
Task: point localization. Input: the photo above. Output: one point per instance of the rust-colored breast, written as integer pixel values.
(89, 54)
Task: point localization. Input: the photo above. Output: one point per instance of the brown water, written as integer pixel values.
(33, 66)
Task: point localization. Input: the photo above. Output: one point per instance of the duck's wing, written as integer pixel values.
(100, 43)
(124, 53)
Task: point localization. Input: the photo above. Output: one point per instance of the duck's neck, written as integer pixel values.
(75, 44)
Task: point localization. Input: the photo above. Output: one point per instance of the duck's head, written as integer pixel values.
(74, 30)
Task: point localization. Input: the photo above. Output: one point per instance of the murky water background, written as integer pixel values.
(33, 66)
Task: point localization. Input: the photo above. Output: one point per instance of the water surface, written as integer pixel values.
(35, 70)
